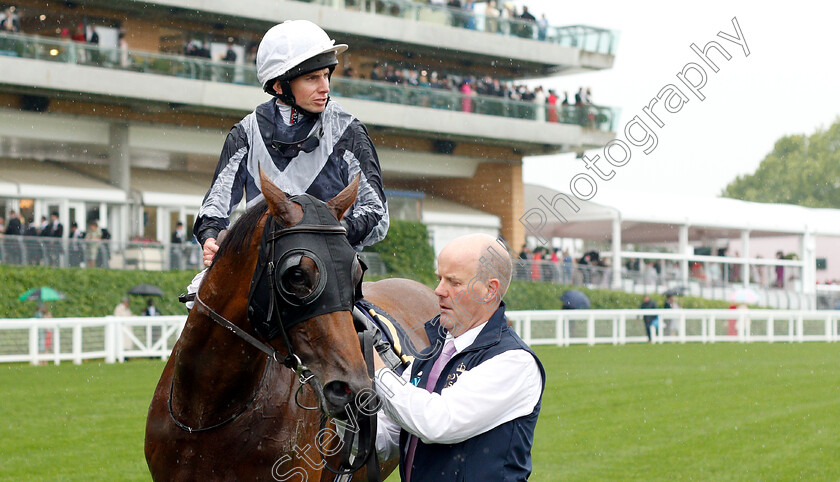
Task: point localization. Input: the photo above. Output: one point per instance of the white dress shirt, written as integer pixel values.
(496, 391)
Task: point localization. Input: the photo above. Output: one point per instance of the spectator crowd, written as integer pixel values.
(41, 243)
(542, 264)
(489, 95)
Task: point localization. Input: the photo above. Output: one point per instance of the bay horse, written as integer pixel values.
(223, 409)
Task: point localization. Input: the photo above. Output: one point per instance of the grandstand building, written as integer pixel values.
(128, 130)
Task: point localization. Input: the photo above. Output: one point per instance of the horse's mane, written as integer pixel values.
(242, 231)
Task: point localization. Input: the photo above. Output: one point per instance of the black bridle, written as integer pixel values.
(275, 324)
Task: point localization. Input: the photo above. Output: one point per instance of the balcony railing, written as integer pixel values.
(589, 39)
(64, 51)
(593, 116)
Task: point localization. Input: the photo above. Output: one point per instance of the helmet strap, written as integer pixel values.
(286, 95)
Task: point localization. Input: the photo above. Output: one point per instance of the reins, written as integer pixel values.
(220, 424)
(291, 361)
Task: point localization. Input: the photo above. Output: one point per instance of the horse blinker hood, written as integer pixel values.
(285, 285)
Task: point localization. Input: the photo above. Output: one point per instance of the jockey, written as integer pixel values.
(304, 142)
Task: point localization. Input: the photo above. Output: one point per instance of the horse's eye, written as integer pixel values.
(296, 277)
(297, 282)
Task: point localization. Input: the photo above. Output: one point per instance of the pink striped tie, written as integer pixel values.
(445, 356)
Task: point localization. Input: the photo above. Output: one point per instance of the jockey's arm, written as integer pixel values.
(225, 192)
(367, 222)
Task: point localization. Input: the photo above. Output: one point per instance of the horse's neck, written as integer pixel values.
(216, 372)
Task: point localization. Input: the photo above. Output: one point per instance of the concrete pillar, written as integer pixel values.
(119, 157)
(118, 222)
(616, 249)
(162, 224)
(64, 217)
(125, 216)
(119, 174)
(745, 253)
(683, 249)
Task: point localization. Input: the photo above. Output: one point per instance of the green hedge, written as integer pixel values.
(95, 292)
(406, 252)
(90, 292)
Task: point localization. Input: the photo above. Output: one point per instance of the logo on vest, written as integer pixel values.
(453, 377)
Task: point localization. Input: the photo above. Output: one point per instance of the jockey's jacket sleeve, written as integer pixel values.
(368, 220)
(226, 189)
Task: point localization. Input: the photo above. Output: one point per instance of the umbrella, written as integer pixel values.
(575, 300)
(678, 291)
(146, 290)
(43, 293)
(744, 295)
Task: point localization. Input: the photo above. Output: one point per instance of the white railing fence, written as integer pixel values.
(113, 339)
(42, 340)
(618, 327)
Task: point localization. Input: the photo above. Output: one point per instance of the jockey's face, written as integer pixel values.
(311, 90)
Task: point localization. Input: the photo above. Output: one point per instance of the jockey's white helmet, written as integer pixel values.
(294, 48)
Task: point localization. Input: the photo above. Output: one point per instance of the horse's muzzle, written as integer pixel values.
(338, 395)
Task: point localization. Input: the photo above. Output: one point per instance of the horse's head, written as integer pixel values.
(303, 290)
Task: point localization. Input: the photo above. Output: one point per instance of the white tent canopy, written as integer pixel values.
(652, 218)
(446, 220)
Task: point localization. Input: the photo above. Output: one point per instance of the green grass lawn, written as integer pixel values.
(638, 412)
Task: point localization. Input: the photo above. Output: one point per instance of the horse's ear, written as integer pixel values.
(286, 212)
(343, 200)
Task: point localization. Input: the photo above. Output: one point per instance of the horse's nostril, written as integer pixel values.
(338, 393)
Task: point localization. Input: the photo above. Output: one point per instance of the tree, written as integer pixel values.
(800, 170)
